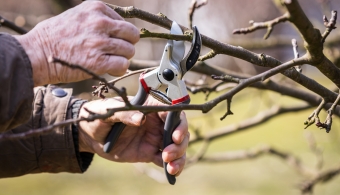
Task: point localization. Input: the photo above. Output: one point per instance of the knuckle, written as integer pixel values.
(102, 22)
(124, 48)
(97, 6)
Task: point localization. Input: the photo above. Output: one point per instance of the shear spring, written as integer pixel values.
(160, 97)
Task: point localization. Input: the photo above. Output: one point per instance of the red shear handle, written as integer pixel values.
(171, 122)
(118, 128)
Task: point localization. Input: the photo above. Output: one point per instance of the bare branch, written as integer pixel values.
(40, 131)
(147, 34)
(12, 26)
(114, 81)
(194, 5)
(256, 152)
(296, 54)
(248, 123)
(314, 117)
(260, 25)
(330, 25)
(307, 186)
(120, 92)
(208, 55)
(328, 122)
(223, 48)
(313, 42)
(226, 78)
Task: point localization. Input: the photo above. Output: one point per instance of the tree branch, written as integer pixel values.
(256, 152)
(120, 92)
(4, 22)
(223, 48)
(330, 25)
(307, 186)
(313, 41)
(194, 5)
(260, 25)
(296, 54)
(251, 122)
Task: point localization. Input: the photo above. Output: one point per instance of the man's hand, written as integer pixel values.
(141, 139)
(91, 35)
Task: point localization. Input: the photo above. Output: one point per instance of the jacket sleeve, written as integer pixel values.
(27, 109)
(51, 152)
(16, 83)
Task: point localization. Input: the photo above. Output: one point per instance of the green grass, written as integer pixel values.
(265, 175)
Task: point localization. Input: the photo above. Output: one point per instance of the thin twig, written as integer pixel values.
(256, 152)
(226, 78)
(102, 88)
(329, 120)
(269, 25)
(194, 5)
(144, 33)
(260, 118)
(208, 55)
(8, 24)
(307, 186)
(120, 92)
(129, 74)
(296, 54)
(314, 116)
(330, 25)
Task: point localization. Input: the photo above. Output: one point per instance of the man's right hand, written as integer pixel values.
(91, 35)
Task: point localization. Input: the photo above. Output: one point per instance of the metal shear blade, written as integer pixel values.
(178, 48)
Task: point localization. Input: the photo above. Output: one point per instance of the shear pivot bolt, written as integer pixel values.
(168, 74)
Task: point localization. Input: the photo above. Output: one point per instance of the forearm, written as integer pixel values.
(53, 152)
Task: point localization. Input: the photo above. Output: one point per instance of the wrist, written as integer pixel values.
(83, 141)
(37, 58)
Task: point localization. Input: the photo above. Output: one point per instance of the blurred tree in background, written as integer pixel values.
(263, 147)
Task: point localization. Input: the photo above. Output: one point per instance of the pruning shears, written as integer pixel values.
(172, 68)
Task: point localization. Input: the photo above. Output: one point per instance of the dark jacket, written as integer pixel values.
(23, 108)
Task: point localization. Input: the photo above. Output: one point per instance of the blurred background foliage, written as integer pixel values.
(263, 175)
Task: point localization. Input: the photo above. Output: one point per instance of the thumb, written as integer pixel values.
(130, 118)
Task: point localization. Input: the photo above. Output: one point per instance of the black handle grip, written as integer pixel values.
(171, 122)
(195, 49)
(118, 128)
